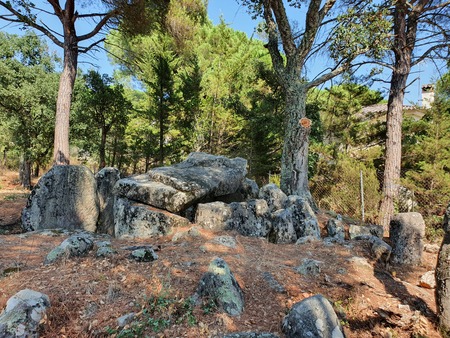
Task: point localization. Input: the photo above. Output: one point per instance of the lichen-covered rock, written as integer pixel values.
(249, 189)
(407, 232)
(313, 317)
(22, 314)
(250, 218)
(213, 216)
(200, 177)
(134, 220)
(143, 253)
(282, 230)
(104, 249)
(303, 216)
(106, 180)
(335, 229)
(355, 231)
(219, 285)
(309, 267)
(65, 197)
(275, 198)
(76, 245)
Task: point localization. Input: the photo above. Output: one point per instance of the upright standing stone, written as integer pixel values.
(443, 279)
(407, 231)
(65, 197)
(106, 179)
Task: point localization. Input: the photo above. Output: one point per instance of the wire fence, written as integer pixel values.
(356, 193)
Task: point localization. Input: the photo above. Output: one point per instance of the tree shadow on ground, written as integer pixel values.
(399, 290)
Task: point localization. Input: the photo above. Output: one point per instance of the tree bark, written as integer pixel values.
(294, 160)
(61, 154)
(443, 279)
(102, 150)
(25, 172)
(405, 27)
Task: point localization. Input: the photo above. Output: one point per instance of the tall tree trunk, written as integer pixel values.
(61, 154)
(25, 172)
(114, 154)
(37, 168)
(294, 160)
(405, 26)
(393, 155)
(443, 279)
(102, 150)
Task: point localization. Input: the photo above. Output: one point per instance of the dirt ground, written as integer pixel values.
(88, 294)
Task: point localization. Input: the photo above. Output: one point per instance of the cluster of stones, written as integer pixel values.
(212, 191)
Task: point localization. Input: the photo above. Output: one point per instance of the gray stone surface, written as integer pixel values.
(23, 312)
(250, 218)
(144, 253)
(380, 249)
(335, 228)
(200, 177)
(313, 317)
(219, 285)
(275, 198)
(125, 319)
(282, 230)
(76, 245)
(363, 230)
(106, 179)
(65, 197)
(228, 241)
(407, 232)
(309, 267)
(273, 283)
(213, 216)
(250, 335)
(303, 217)
(134, 220)
(249, 189)
(104, 249)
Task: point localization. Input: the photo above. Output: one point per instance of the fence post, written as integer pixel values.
(362, 193)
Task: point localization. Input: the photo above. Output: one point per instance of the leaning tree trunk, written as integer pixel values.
(443, 279)
(66, 83)
(294, 160)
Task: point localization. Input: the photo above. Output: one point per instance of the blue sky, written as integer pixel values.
(237, 18)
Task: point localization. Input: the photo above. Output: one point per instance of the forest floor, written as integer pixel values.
(88, 294)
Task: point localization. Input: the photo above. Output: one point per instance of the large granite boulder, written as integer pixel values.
(303, 216)
(407, 232)
(313, 317)
(250, 218)
(276, 199)
(135, 220)
(106, 179)
(219, 285)
(22, 314)
(283, 230)
(65, 197)
(200, 177)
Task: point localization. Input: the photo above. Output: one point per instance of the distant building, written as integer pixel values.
(427, 95)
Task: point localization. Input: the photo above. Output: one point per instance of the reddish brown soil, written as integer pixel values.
(88, 294)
